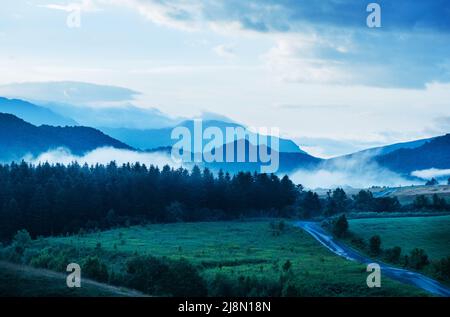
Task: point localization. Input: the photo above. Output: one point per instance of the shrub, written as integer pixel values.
(287, 266)
(164, 277)
(442, 268)
(375, 245)
(21, 241)
(359, 243)
(418, 259)
(340, 226)
(95, 269)
(393, 255)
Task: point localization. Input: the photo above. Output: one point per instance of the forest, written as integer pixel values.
(49, 200)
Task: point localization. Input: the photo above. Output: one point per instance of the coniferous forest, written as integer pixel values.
(57, 199)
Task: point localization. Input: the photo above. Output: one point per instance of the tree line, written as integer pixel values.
(63, 199)
(57, 199)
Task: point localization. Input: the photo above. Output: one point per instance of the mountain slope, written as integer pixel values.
(382, 150)
(283, 162)
(125, 116)
(148, 139)
(32, 113)
(19, 138)
(435, 153)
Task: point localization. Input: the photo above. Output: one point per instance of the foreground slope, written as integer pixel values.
(25, 281)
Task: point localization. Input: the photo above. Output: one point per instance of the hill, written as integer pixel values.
(19, 138)
(26, 281)
(34, 114)
(434, 153)
(148, 139)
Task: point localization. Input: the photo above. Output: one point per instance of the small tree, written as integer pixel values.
(21, 241)
(95, 269)
(442, 269)
(287, 266)
(393, 254)
(421, 202)
(418, 259)
(375, 245)
(432, 182)
(340, 226)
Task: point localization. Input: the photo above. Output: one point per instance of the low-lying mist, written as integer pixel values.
(104, 156)
(360, 172)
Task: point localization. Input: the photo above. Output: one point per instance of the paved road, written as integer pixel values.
(405, 276)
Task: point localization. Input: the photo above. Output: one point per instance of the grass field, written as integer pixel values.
(21, 281)
(407, 194)
(237, 249)
(429, 233)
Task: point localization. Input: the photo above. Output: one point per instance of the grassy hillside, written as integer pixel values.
(23, 281)
(429, 233)
(238, 250)
(407, 194)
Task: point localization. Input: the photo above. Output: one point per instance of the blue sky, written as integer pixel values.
(312, 68)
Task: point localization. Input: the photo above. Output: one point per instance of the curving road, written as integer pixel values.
(405, 276)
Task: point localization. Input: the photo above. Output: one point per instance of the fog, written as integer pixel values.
(360, 172)
(103, 156)
(432, 172)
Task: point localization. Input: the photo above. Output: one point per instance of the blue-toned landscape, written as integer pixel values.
(253, 149)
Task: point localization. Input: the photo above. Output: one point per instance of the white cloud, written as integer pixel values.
(226, 51)
(83, 5)
(432, 172)
(293, 59)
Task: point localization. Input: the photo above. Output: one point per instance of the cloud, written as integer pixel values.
(358, 172)
(68, 92)
(83, 5)
(322, 41)
(432, 172)
(226, 51)
(102, 156)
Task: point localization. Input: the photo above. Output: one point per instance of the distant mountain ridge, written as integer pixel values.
(19, 138)
(34, 114)
(149, 139)
(382, 150)
(434, 153)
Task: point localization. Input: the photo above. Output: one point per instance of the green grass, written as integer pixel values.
(429, 233)
(20, 281)
(238, 248)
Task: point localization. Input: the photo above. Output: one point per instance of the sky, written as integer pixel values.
(314, 69)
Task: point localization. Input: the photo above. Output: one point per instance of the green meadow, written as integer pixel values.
(257, 249)
(429, 233)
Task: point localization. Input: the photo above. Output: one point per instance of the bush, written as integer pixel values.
(418, 259)
(287, 266)
(21, 241)
(162, 277)
(340, 226)
(375, 245)
(93, 268)
(442, 268)
(393, 255)
(359, 243)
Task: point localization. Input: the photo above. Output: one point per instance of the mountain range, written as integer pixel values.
(19, 138)
(27, 128)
